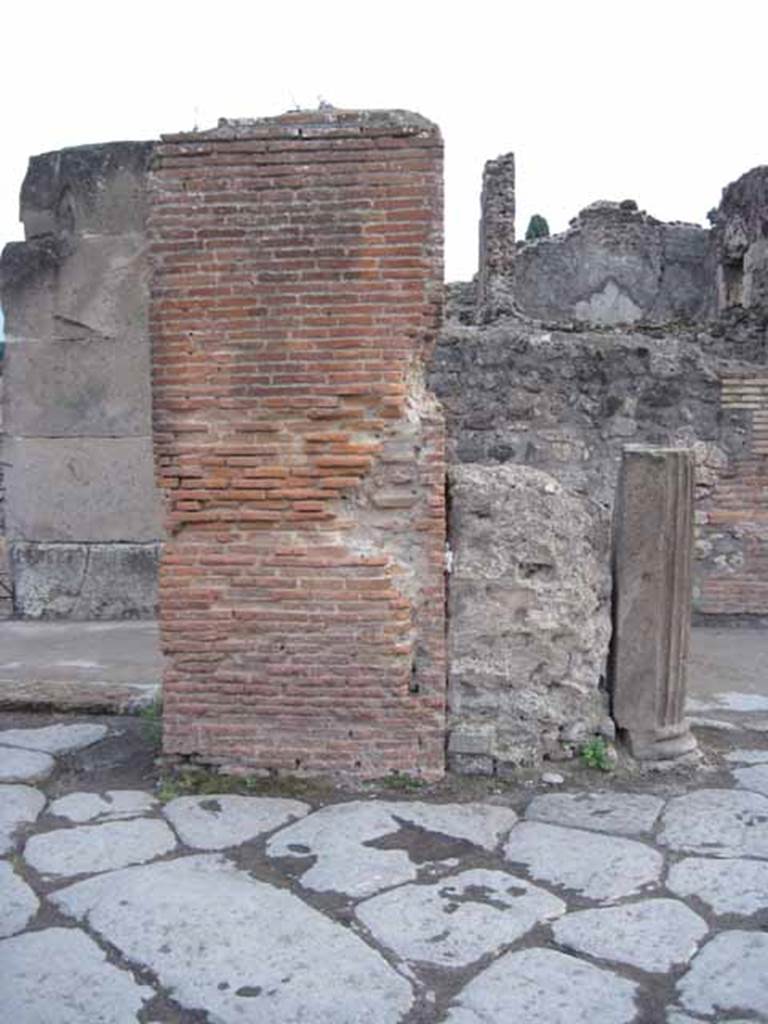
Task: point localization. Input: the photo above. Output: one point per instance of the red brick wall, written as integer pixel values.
(297, 283)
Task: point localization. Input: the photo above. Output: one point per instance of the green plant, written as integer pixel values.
(400, 781)
(537, 228)
(595, 755)
(152, 722)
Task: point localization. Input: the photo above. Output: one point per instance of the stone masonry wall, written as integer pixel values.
(297, 291)
(565, 402)
(81, 510)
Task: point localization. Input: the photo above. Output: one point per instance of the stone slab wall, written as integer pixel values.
(296, 293)
(82, 512)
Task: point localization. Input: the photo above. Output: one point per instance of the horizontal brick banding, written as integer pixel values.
(297, 278)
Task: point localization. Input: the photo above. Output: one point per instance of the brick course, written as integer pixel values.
(297, 279)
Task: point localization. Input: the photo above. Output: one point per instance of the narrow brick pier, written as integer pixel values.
(297, 280)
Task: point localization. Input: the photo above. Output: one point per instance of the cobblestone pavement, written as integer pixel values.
(623, 903)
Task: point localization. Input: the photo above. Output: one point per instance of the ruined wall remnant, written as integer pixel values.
(614, 265)
(529, 618)
(82, 518)
(296, 292)
(741, 242)
(497, 228)
(652, 600)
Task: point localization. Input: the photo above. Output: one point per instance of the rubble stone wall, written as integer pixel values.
(297, 288)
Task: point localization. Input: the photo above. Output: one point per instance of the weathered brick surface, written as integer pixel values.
(297, 284)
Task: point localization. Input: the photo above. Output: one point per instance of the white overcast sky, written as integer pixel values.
(662, 102)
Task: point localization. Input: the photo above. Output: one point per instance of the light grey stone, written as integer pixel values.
(654, 935)
(747, 757)
(18, 903)
(754, 778)
(729, 974)
(626, 814)
(459, 919)
(60, 976)
(114, 804)
(717, 822)
(237, 948)
(55, 739)
(541, 985)
(102, 290)
(653, 594)
(84, 582)
(17, 765)
(530, 554)
(337, 836)
(81, 489)
(91, 848)
(604, 868)
(552, 779)
(19, 805)
(77, 388)
(727, 886)
(216, 821)
(674, 1017)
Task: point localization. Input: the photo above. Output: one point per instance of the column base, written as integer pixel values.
(663, 744)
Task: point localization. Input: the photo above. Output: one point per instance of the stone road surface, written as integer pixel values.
(599, 906)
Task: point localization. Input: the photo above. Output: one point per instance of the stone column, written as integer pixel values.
(652, 604)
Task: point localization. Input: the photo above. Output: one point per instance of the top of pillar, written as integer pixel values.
(326, 121)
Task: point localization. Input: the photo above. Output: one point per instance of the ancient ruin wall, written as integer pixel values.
(297, 291)
(81, 510)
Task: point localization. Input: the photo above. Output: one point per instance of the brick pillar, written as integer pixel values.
(297, 288)
(652, 620)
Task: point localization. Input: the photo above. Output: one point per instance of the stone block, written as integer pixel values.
(28, 273)
(529, 619)
(84, 581)
(96, 189)
(102, 289)
(81, 489)
(85, 388)
(653, 550)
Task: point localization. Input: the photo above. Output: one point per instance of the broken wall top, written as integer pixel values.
(96, 189)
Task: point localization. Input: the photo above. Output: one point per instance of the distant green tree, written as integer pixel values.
(537, 228)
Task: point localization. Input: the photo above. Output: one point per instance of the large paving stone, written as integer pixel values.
(19, 805)
(540, 986)
(729, 974)
(86, 849)
(604, 868)
(754, 778)
(81, 489)
(339, 837)
(17, 765)
(55, 739)
(749, 756)
(622, 813)
(718, 823)
(114, 804)
(459, 919)
(727, 886)
(237, 948)
(60, 976)
(18, 904)
(215, 822)
(654, 935)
